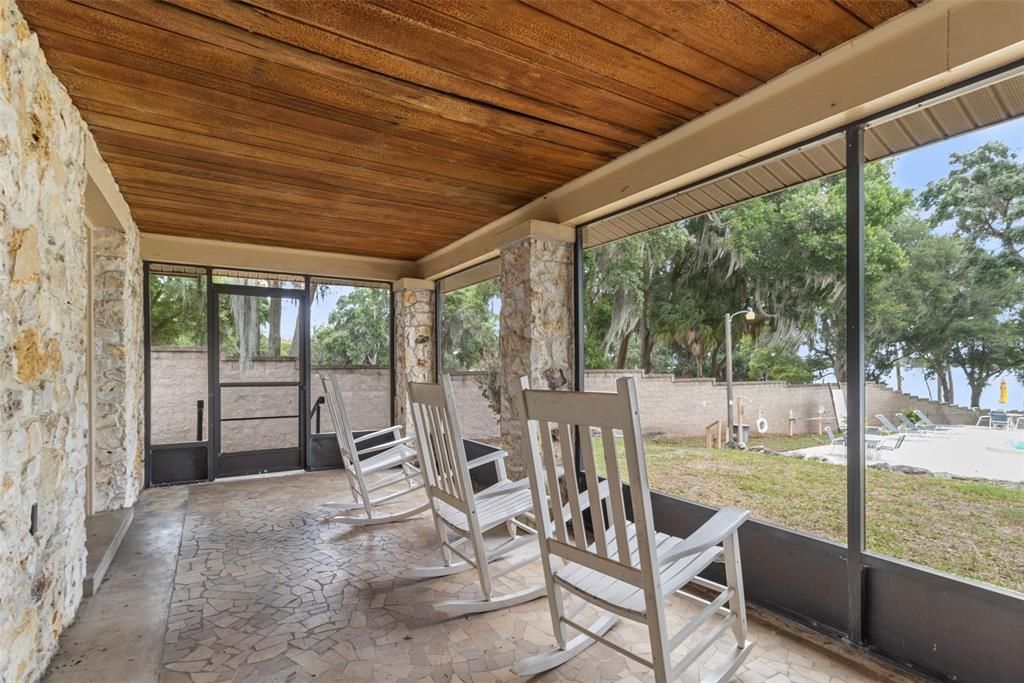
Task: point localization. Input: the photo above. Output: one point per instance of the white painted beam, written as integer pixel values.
(104, 204)
(221, 254)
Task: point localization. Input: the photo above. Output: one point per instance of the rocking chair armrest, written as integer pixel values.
(385, 446)
(710, 534)
(489, 458)
(397, 430)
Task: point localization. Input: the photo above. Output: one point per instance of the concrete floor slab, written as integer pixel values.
(103, 535)
(117, 636)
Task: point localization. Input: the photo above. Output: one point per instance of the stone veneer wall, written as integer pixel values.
(43, 373)
(119, 385)
(414, 345)
(536, 329)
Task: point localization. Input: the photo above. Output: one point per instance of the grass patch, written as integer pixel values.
(970, 529)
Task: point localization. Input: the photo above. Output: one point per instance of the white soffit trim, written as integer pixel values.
(986, 105)
(220, 254)
(488, 270)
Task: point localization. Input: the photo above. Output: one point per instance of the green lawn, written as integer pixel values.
(970, 529)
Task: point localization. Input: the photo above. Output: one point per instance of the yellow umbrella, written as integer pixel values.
(1004, 392)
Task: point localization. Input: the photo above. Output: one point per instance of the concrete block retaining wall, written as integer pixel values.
(683, 407)
(668, 406)
(179, 380)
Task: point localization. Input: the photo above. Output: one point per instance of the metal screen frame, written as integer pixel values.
(916, 617)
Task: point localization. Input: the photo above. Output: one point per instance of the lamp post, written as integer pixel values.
(748, 314)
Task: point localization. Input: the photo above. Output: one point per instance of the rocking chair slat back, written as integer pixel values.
(441, 446)
(565, 413)
(339, 418)
(375, 472)
(624, 569)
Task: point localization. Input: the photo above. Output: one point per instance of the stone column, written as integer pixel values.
(536, 329)
(414, 341)
(117, 357)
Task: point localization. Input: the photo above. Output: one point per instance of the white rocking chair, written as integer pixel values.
(461, 516)
(629, 569)
(371, 467)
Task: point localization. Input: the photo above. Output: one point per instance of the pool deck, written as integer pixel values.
(975, 452)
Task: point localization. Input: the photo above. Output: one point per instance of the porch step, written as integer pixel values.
(104, 533)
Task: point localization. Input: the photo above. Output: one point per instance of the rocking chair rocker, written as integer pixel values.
(629, 569)
(461, 516)
(370, 467)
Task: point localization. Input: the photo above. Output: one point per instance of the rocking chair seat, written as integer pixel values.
(623, 597)
(392, 457)
(494, 506)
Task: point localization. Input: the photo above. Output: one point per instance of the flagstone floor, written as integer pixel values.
(265, 591)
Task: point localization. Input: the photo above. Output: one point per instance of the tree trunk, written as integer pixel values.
(297, 332)
(246, 315)
(274, 336)
(950, 398)
(646, 344)
(899, 373)
(620, 358)
(945, 394)
(839, 369)
(976, 390)
(646, 338)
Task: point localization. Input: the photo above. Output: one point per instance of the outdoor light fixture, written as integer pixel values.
(735, 437)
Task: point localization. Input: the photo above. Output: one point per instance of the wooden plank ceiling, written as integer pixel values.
(393, 127)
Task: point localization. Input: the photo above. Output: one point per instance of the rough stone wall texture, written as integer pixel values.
(536, 329)
(43, 355)
(119, 389)
(414, 346)
(682, 407)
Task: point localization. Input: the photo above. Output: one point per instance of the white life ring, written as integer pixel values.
(762, 425)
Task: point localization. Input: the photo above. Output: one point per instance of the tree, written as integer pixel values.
(628, 274)
(669, 290)
(792, 251)
(983, 196)
(778, 362)
(986, 325)
(907, 312)
(357, 330)
(469, 327)
(177, 311)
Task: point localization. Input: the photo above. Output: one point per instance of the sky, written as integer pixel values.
(322, 308)
(914, 170)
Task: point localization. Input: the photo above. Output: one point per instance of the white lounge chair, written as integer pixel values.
(629, 570)
(838, 405)
(927, 422)
(376, 470)
(910, 427)
(461, 516)
(996, 419)
(888, 425)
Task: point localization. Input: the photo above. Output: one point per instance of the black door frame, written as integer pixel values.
(264, 459)
(198, 459)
